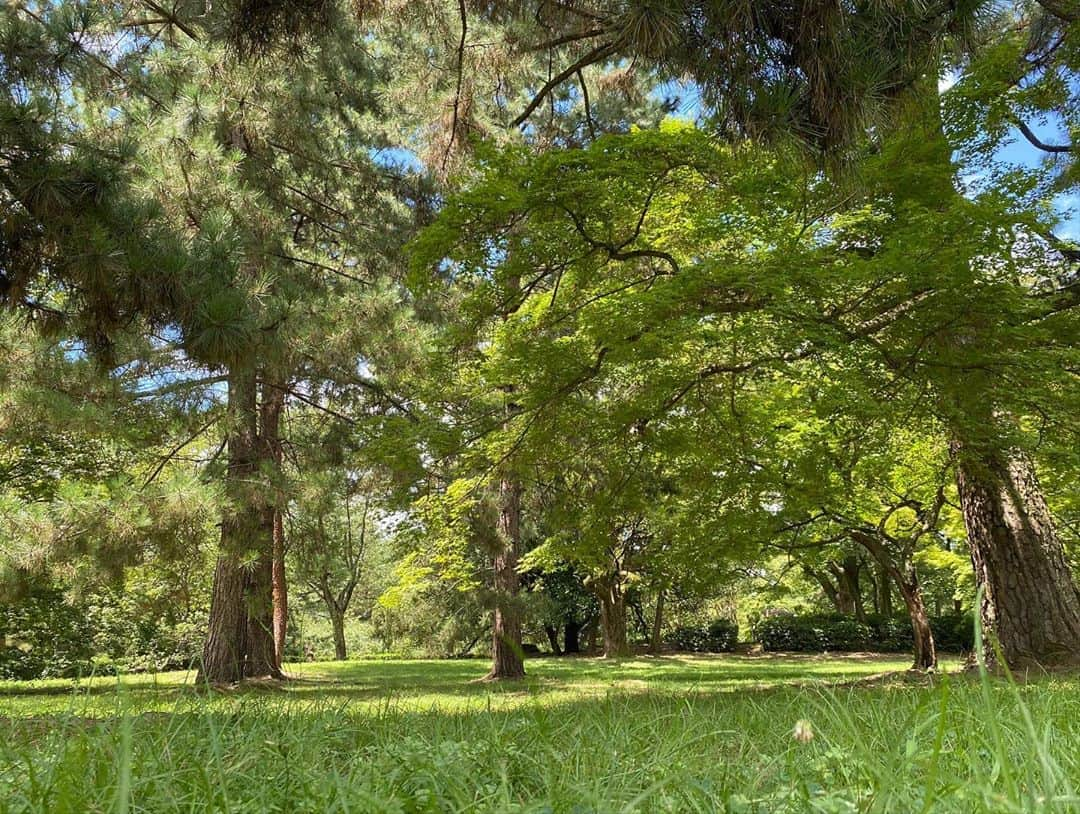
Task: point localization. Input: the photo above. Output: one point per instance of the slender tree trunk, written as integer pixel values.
(281, 589)
(1030, 602)
(907, 581)
(613, 619)
(337, 620)
(506, 654)
(658, 624)
(831, 592)
(571, 632)
(553, 639)
(270, 414)
(592, 633)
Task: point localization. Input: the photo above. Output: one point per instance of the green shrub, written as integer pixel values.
(44, 636)
(719, 636)
(818, 632)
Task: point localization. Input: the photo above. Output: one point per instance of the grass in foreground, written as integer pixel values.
(646, 735)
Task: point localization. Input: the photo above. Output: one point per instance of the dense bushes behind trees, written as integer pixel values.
(817, 632)
(718, 636)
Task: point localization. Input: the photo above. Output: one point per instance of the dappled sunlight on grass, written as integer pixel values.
(443, 685)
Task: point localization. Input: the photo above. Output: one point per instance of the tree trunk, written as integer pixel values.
(1030, 602)
(225, 648)
(851, 569)
(337, 620)
(613, 620)
(225, 652)
(658, 623)
(925, 651)
(506, 655)
(553, 639)
(571, 632)
(281, 589)
(270, 414)
(884, 597)
(262, 658)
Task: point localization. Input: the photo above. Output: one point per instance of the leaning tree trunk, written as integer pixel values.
(613, 620)
(506, 653)
(552, 633)
(225, 651)
(1030, 603)
(658, 624)
(907, 581)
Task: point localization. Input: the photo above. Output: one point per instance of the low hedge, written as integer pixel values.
(817, 632)
(719, 636)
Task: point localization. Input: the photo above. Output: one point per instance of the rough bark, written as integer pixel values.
(506, 655)
(884, 592)
(658, 624)
(613, 620)
(225, 648)
(1030, 603)
(225, 651)
(270, 414)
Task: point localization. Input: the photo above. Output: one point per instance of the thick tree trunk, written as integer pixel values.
(225, 652)
(337, 620)
(613, 620)
(506, 655)
(910, 589)
(571, 633)
(1030, 602)
(262, 658)
(658, 624)
(225, 649)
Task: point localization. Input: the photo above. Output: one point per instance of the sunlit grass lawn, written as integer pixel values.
(579, 735)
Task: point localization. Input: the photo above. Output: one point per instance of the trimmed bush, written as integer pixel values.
(818, 632)
(719, 636)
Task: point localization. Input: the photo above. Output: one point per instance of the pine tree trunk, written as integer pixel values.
(225, 652)
(263, 653)
(281, 590)
(262, 658)
(1030, 602)
(271, 452)
(658, 624)
(910, 589)
(225, 649)
(506, 654)
(337, 620)
(613, 620)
